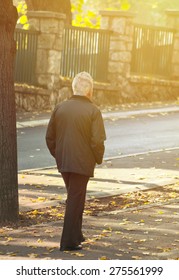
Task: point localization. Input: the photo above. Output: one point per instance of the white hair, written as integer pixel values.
(82, 84)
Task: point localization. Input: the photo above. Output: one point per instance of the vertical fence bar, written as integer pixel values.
(26, 53)
(152, 50)
(85, 50)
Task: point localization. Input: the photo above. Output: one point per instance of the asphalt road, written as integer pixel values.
(124, 136)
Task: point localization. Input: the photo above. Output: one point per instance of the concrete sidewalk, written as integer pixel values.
(150, 231)
(113, 177)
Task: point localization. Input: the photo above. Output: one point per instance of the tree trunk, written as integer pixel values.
(9, 207)
(58, 6)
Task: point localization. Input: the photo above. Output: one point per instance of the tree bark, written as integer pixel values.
(58, 6)
(9, 207)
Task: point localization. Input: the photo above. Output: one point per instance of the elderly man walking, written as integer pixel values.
(75, 138)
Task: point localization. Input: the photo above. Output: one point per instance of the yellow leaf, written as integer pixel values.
(40, 240)
(107, 230)
(160, 212)
(166, 249)
(113, 203)
(35, 212)
(41, 198)
(60, 215)
(9, 239)
(103, 258)
(88, 212)
(78, 254)
(125, 6)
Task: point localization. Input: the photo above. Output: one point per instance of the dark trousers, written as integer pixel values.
(76, 185)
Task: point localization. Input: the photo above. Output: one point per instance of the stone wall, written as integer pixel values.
(50, 26)
(138, 89)
(29, 98)
(122, 86)
(121, 25)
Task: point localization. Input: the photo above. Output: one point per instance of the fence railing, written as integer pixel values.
(85, 49)
(152, 50)
(26, 56)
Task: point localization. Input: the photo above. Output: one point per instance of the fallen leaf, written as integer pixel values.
(140, 240)
(103, 258)
(136, 258)
(32, 255)
(40, 240)
(160, 212)
(119, 255)
(9, 239)
(41, 198)
(78, 254)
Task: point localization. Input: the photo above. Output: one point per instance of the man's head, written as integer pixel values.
(83, 84)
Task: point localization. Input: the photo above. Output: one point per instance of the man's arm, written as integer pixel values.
(98, 137)
(51, 135)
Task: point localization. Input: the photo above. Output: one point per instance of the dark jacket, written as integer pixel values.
(75, 136)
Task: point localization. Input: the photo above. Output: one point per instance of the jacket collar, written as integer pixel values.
(80, 97)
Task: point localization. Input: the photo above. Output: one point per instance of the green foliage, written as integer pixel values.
(22, 12)
(152, 11)
(147, 11)
(86, 12)
(84, 17)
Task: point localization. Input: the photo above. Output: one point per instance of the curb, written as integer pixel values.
(107, 116)
(106, 159)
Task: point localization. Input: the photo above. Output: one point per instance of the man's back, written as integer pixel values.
(78, 130)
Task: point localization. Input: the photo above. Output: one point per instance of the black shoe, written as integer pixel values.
(74, 248)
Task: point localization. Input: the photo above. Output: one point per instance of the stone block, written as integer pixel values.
(58, 44)
(117, 45)
(129, 30)
(49, 25)
(34, 24)
(45, 80)
(42, 61)
(61, 26)
(121, 56)
(54, 58)
(115, 67)
(46, 41)
(105, 23)
(119, 25)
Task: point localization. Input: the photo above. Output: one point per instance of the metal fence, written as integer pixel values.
(26, 55)
(85, 49)
(152, 50)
